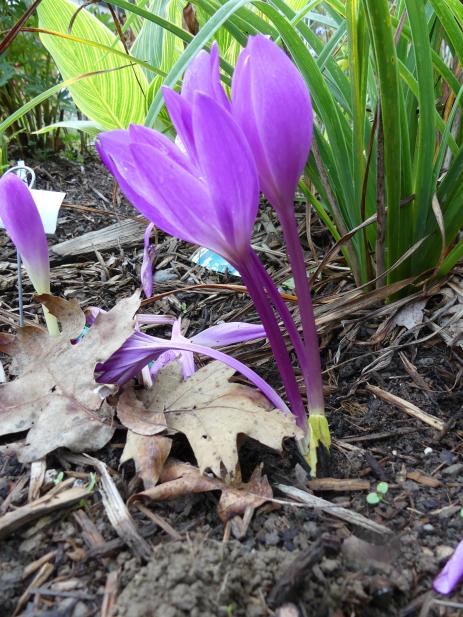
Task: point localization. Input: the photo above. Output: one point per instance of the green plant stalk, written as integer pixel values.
(455, 256)
(381, 34)
(51, 321)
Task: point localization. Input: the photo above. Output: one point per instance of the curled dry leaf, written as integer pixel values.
(149, 453)
(179, 479)
(211, 412)
(55, 396)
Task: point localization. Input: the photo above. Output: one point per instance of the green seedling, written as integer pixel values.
(59, 478)
(373, 499)
(92, 481)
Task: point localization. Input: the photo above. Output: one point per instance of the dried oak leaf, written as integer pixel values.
(211, 412)
(179, 479)
(149, 453)
(55, 395)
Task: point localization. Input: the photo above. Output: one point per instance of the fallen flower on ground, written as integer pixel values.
(451, 575)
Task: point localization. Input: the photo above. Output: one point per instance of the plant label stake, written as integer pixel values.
(48, 204)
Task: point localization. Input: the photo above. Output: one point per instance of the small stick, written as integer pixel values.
(159, 521)
(43, 575)
(409, 408)
(110, 594)
(35, 565)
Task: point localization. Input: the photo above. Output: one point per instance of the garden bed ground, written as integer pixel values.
(293, 560)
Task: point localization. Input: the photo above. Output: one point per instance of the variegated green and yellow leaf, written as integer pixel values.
(114, 98)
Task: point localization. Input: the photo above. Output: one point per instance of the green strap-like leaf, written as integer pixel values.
(382, 37)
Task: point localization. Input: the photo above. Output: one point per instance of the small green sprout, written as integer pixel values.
(381, 490)
(58, 478)
(92, 481)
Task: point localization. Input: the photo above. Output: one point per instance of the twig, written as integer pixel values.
(409, 408)
(361, 522)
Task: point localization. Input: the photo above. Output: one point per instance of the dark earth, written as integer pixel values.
(293, 560)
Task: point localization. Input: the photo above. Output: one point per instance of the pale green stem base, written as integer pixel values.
(51, 321)
(318, 432)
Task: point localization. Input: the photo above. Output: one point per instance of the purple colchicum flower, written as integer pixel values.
(278, 127)
(207, 194)
(146, 272)
(271, 103)
(206, 190)
(23, 225)
(451, 575)
(139, 349)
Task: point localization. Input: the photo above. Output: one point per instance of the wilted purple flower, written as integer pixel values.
(216, 336)
(23, 225)
(142, 348)
(452, 573)
(146, 272)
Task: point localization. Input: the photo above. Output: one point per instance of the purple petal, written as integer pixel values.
(91, 313)
(144, 135)
(180, 114)
(111, 146)
(146, 273)
(140, 348)
(203, 75)
(115, 150)
(163, 360)
(24, 226)
(180, 204)
(452, 573)
(228, 168)
(271, 102)
(228, 334)
(187, 359)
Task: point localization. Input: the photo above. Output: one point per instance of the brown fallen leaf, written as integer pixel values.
(149, 453)
(55, 395)
(179, 479)
(211, 412)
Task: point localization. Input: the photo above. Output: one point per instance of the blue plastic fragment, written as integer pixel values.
(211, 261)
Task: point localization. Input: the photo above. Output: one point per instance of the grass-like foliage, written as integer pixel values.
(384, 80)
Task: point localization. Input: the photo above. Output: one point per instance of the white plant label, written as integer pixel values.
(48, 204)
